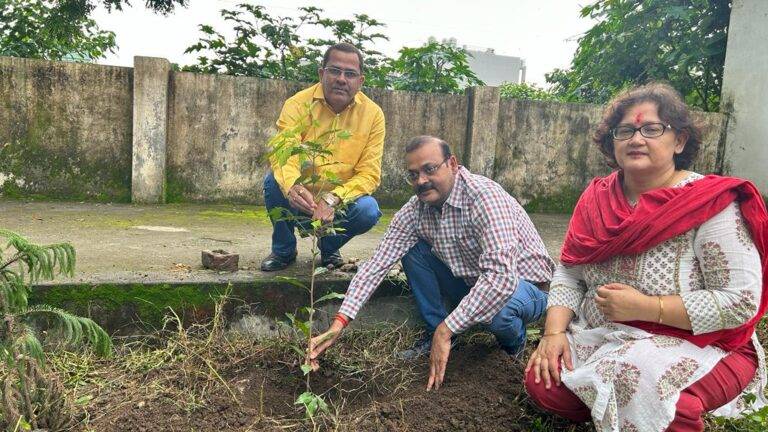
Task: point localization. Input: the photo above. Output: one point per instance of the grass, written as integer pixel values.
(197, 370)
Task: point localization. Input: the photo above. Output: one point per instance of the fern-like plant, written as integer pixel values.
(315, 154)
(30, 397)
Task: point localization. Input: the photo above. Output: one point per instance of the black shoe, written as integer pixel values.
(333, 259)
(275, 262)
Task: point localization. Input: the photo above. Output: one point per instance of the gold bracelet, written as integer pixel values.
(661, 310)
(553, 333)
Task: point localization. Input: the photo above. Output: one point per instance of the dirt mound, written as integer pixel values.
(482, 392)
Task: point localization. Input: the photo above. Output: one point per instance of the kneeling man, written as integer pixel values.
(463, 241)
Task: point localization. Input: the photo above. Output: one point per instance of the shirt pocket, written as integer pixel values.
(468, 246)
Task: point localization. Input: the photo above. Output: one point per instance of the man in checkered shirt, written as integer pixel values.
(463, 241)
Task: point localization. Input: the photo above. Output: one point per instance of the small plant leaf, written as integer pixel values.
(330, 296)
(303, 326)
(306, 369)
(320, 270)
(292, 280)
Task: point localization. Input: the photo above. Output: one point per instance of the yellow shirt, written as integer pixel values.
(358, 158)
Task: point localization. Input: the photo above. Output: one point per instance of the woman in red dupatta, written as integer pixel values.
(652, 311)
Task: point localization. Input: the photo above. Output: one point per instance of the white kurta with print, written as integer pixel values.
(632, 379)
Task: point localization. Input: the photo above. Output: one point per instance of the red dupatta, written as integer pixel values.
(604, 225)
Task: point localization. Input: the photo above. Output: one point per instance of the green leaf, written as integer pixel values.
(306, 369)
(344, 134)
(83, 400)
(292, 281)
(320, 270)
(330, 296)
(304, 327)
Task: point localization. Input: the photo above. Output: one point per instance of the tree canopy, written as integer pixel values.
(636, 41)
(40, 29)
(270, 46)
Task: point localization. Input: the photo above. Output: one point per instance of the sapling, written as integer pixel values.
(31, 399)
(313, 156)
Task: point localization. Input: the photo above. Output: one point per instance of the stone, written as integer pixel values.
(220, 260)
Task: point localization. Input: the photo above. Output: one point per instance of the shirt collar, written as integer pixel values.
(318, 94)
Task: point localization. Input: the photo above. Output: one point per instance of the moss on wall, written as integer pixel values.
(60, 143)
(561, 202)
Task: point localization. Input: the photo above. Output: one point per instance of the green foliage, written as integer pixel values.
(751, 421)
(286, 146)
(435, 67)
(40, 29)
(85, 7)
(24, 383)
(526, 91)
(636, 41)
(270, 46)
(312, 403)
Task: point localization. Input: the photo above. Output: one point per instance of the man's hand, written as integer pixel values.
(620, 302)
(323, 212)
(319, 343)
(438, 356)
(301, 199)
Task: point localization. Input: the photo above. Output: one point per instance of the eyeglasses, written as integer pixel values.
(650, 130)
(336, 72)
(429, 170)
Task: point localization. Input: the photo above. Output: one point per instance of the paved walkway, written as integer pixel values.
(123, 243)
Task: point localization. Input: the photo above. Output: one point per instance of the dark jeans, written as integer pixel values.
(432, 283)
(361, 215)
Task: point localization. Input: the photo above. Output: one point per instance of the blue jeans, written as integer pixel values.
(433, 283)
(361, 215)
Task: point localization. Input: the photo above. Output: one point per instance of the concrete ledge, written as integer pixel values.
(131, 308)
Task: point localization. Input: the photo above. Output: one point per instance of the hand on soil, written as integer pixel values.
(438, 356)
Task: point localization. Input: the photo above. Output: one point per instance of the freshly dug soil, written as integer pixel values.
(482, 392)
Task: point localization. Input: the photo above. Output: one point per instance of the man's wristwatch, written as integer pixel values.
(331, 199)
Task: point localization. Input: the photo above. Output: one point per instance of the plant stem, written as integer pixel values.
(311, 302)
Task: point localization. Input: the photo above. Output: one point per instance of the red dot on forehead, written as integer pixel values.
(638, 118)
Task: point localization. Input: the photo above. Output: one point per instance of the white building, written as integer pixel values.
(495, 69)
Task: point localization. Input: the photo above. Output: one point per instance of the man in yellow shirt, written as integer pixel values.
(336, 103)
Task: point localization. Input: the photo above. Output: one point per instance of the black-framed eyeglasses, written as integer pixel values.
(649, 130)
(336, 72)
(428, 170)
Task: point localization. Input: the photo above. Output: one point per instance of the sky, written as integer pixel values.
(542, 32)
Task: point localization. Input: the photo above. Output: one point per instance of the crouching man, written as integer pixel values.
(463, 241)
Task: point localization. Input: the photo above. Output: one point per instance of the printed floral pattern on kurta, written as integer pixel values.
(631, 379)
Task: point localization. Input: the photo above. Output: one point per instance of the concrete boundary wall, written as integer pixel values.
(153, 135)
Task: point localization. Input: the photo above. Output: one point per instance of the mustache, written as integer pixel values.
(424, 187)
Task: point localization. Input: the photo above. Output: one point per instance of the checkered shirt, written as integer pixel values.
(481, 233)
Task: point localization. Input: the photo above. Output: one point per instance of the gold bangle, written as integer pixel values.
(661, 310)
(553, 333)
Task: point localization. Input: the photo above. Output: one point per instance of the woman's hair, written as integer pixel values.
(671, 109)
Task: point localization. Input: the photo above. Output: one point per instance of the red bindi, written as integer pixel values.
(638, 118)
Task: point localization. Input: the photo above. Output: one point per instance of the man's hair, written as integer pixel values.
(671, 109)
(417, 142)
(344, 47)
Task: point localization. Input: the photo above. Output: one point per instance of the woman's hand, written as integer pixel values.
(620, 302)
(545, 360)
